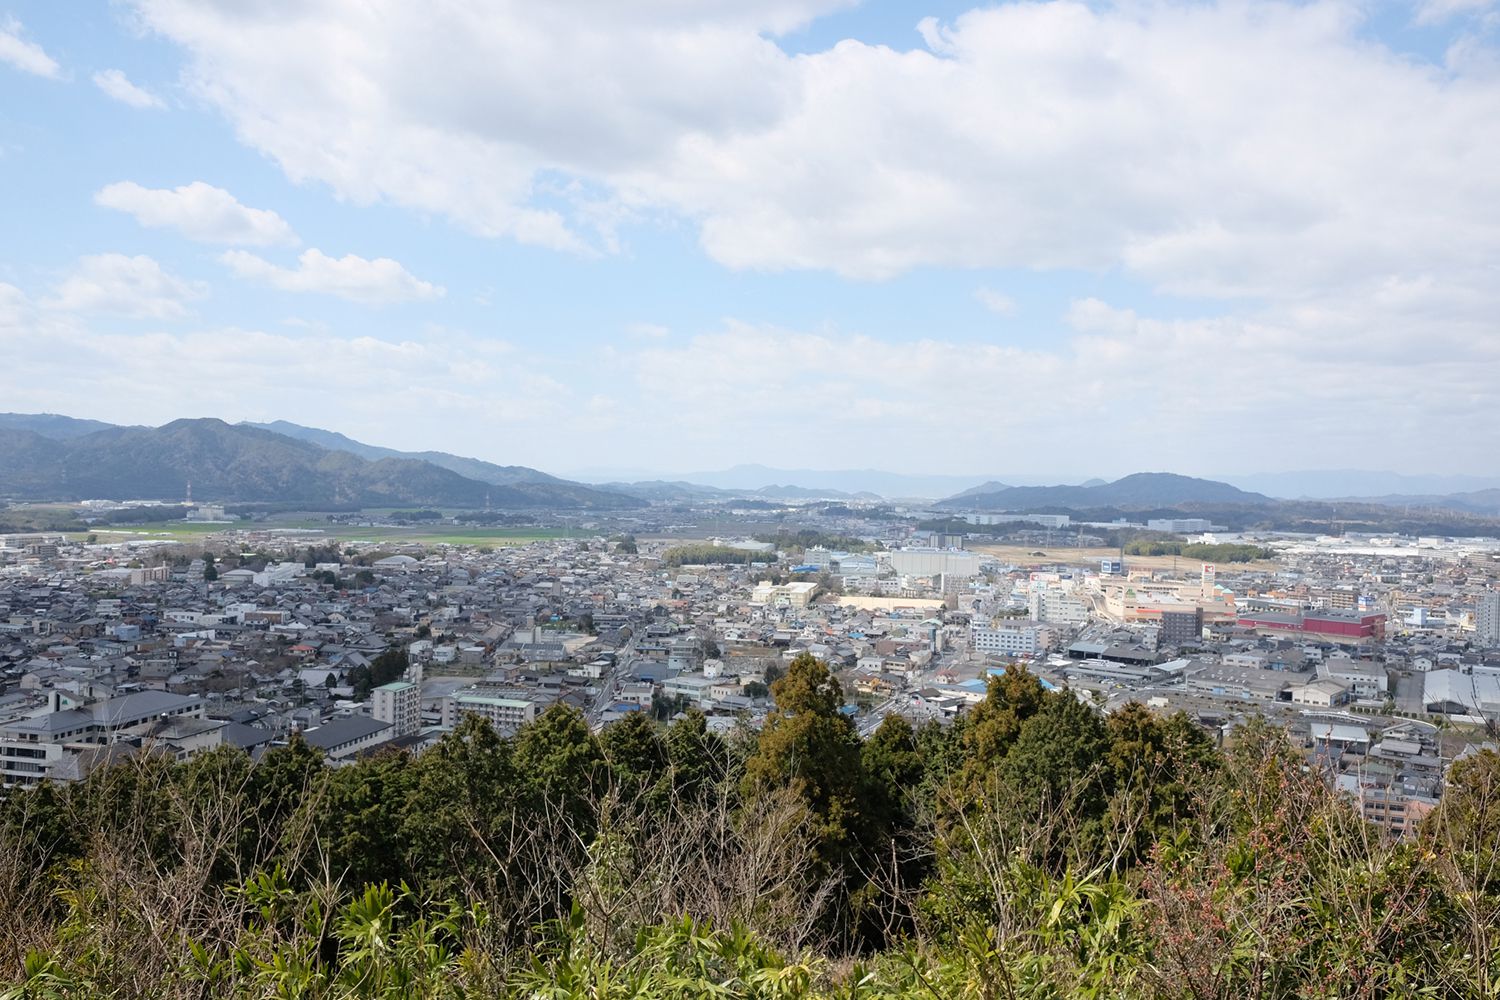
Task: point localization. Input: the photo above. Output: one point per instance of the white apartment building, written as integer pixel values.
(786, 595)
(399, 704)
(1057, 607)
(1020, 638)
(504, 714)
(1487, 619)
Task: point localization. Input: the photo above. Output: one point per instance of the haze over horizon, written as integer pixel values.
(1093, 239)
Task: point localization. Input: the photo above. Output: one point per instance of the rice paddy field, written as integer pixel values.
(441, 534)
(300, 526)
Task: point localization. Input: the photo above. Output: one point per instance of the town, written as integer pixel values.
(1379, 653)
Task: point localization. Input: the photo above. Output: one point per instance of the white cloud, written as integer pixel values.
(1211, 149)
(442, 381)
(648, 331)
(1262, 384)
(381, 281)
(119, 285)
(1431, 12)
(28, 57)
(459, 108)
(200, 212)
(996, 302)
(117, 85)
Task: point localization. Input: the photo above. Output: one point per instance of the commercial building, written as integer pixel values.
(1333, 626)
(935, 562)
(1244, 683)
(1182, 525)
(1453, 692)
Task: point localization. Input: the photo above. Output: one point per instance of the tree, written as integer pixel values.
(1054, 769)
(560, 762)
(210, 571)
(811, 747)
(1468, 818)
(389, 666)
(1154, 765)
(360, 812)
(1010, 699)
(699, 760)
(637, 755)
(893, 772)
(462, 796)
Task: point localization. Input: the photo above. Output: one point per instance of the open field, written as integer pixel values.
(438, 534)
(1025, 555)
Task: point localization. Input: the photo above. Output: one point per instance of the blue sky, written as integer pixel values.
(1039, 237)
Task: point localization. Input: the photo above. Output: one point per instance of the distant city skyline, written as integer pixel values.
(1081, 239)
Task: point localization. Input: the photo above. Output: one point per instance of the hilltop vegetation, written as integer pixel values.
(1034, 849)
(709, 555)
(1224, 552)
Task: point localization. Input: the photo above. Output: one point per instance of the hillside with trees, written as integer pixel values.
(1032, 849)
(232, 462)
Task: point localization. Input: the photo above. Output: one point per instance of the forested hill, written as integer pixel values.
(1033, 848)
(239, 463)
(469, 468)
(1142, 490)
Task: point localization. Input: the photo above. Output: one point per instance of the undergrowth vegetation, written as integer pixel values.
(1032, 849)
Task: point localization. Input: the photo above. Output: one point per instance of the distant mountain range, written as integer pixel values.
(1485, 503)
(49, 457)
(1332, 484)
(831, 484)
(1144, 489)
(51, 425)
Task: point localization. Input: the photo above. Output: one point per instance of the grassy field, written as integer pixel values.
(438, 534)
(1023, 555)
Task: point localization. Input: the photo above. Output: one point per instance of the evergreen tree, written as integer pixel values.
(810, 746)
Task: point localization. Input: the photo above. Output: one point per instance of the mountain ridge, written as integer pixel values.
(228, 462)
(1141, 489)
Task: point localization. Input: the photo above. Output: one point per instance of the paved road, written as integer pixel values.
(610, 682)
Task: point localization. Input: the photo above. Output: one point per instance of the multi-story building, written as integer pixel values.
(1487, 619)
(399, 704)
(504, 713)
(1055, 606)
(1335, 626)
(48, 743)
(1181, 628)
(935, 562)
(1021, 638)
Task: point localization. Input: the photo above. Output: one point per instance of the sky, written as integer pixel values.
(686, 234)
